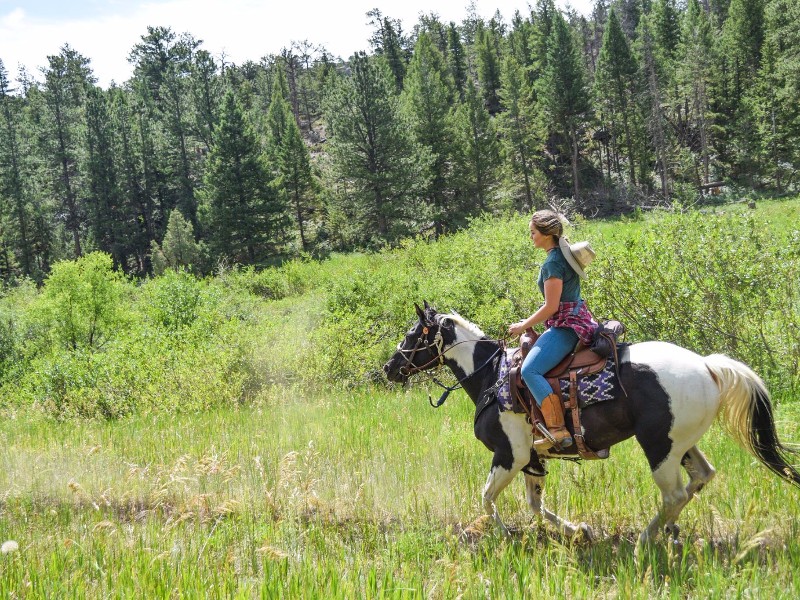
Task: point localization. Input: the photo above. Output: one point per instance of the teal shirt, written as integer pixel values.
(555, 265)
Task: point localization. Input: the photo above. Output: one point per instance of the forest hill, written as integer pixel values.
(194, 161)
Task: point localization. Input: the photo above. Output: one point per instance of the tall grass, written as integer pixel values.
(253, 462)
(361, 495)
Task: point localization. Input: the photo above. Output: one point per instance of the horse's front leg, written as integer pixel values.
(498, 480)
(534, 486)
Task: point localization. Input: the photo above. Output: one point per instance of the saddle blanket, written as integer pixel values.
(591, 388)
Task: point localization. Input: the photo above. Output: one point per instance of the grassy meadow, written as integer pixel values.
(362, 495)
(230, 437)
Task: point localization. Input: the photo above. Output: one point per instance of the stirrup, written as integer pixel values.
(545, 434)
(548, 440)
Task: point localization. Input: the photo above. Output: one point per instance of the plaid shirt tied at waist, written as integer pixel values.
(577, 317)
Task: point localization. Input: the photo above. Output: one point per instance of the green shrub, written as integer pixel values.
(79, 307)
(173, 300)
(92, 345)
(711, 282)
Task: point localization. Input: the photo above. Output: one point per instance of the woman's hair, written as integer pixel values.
(547, 222)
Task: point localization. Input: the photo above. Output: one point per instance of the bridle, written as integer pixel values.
(422, 343)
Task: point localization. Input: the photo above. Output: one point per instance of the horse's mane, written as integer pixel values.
(463, 323)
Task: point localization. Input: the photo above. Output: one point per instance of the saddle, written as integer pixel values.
(580, 363)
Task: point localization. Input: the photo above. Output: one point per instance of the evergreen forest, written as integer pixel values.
(199, 163)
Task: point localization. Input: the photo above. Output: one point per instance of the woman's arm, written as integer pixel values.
(552, 297)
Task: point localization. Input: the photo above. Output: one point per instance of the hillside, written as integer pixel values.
(92, 343)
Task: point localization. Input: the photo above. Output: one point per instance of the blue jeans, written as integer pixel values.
(549, 350)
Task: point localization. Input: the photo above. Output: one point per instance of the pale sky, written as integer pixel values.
(105, 31)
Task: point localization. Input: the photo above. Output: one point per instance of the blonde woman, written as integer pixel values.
(564, 314)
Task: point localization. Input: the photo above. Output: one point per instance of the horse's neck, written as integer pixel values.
(466, 355)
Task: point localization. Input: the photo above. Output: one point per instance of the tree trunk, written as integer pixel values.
(573, 134)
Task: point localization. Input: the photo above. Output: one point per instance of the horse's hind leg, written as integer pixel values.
(700, 473)
(673, 494)
(699, 469)
(534, 488)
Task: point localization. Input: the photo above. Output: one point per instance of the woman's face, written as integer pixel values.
(540, 240)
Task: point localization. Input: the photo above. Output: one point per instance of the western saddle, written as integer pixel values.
(580, 363)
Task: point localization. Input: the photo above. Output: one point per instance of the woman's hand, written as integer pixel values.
(517, 328)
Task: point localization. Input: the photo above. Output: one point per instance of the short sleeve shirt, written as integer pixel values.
(555, 265)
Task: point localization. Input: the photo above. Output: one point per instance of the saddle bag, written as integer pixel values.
(605, 338)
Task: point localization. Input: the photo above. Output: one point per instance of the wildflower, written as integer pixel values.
(9, 547)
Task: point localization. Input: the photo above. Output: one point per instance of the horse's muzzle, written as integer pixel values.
(394, 372)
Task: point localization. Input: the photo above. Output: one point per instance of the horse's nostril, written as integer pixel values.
(386, 368)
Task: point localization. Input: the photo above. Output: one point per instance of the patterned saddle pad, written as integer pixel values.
(592, 389)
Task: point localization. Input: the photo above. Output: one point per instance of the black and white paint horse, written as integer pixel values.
(673, 396)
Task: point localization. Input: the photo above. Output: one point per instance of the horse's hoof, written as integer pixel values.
(672, 531)
(583, 533)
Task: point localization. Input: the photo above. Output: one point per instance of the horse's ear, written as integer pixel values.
(420, 312)
(425, 304)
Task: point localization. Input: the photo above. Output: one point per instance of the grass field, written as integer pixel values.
(248, 456)
(363, 495)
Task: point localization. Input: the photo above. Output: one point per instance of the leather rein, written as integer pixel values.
(438, 344)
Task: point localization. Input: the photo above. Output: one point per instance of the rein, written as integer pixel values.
(438, 344)
(451, 388)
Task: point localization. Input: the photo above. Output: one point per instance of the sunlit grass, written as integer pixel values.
(361, 495)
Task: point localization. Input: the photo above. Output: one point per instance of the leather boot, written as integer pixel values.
(553, 413)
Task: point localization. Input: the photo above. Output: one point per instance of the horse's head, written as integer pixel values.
(422, 348)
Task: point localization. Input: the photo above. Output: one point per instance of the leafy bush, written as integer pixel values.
(173, 300)
(710, 282)
(79, 307)
(92, 345)
(174, 344)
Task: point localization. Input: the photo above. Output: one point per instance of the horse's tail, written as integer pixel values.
(746, 413)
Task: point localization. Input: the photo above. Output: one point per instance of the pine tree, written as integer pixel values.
(371, 152)
(477, 150)
(694, 80)
(107, 219)
(388, 41)
(426, 100)
(517, 124)
(66, 80)
(488, 63)
(651, 59)
(519, 41)
(129, 164)
(666, 27)
(178, 250)
(206, 90)
(773, 100)
(739, 62)
(279, 112)
(14, 209)
(616, 88)
(543, 17)
(244, 217)
(163, 65)
(457, 59)
(290, 161)
(562, 92)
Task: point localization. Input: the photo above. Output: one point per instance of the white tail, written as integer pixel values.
(746, 413)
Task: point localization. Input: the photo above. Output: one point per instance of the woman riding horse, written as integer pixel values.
(564, 313)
